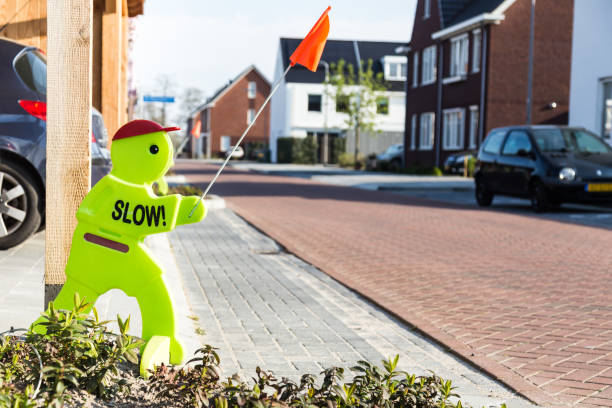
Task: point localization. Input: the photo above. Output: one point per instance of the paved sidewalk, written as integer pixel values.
(264, 307)
(359, 179)
(524, 298)
(22, 276)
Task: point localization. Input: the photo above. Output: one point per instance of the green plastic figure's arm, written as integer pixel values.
(185, 207)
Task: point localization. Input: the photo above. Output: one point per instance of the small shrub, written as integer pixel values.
(182, 189)
(305, 150)
(284, 149)
(437, 172)
(77, 352)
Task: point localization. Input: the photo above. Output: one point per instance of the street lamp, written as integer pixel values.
(325, 150)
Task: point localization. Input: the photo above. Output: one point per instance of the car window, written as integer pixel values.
(517, 140)
(31, 67)
(588, 143)
(494, 141)
(568, 140)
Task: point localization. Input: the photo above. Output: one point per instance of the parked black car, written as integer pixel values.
(23, 109)
(547, 164)
(455, 162)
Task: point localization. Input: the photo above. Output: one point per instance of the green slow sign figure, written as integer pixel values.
(108, 250)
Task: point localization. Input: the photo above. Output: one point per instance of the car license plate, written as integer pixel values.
(598, 187)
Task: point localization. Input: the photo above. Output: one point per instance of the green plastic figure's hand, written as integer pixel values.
(186, 205)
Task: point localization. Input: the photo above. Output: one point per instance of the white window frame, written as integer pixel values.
(427, 130)
(415, 69)
(252, 89)
(428, 71)
(474, 123)
(453, 129)
(476, 50)
(413, 135)
(459, 50)
(226, 142)
(398, 61)
(250, 115)
(426, 9)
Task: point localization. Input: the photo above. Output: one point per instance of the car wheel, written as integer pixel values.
(484, 197)
(540, 199)
(20, 215)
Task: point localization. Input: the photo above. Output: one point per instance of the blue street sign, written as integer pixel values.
(163, 99)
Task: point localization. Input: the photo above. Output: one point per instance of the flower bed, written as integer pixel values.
(83, 364)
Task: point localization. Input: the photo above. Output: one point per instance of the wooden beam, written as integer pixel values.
(112, 53)
(68, 130)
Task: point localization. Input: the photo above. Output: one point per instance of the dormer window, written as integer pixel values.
(395, 67)
(426, 9)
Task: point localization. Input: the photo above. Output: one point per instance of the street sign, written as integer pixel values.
(163, 99)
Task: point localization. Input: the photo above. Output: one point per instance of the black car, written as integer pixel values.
(23, 109)
(549, 165)
(454, 164)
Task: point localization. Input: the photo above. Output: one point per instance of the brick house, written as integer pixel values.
(225, 115)
(468, 72)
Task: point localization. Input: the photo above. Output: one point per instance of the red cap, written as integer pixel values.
(141, 127)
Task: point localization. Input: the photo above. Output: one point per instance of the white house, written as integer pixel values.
(301, 106)
(591, 77)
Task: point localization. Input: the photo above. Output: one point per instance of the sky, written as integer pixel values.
(203, 44)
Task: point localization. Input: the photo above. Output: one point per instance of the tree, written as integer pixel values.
(357, 94)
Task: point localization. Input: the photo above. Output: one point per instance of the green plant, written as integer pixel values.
(77, 352)
(305, 150)
(437, 172)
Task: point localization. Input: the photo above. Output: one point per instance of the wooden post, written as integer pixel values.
(69, 58)
(112, 52)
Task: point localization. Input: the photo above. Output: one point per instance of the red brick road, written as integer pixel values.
(526, 299)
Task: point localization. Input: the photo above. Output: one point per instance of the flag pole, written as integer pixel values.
(274, 88)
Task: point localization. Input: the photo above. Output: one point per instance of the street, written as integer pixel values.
(523, 297)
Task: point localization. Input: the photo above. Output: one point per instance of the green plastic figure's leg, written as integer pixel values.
(158, 317)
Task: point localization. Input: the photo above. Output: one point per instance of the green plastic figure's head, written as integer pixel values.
(141, 152)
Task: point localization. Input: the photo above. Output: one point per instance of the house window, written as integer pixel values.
(427, 131)
(252, 89)
(413, 134)
(314, 103)
(606, 125)
(454, 125)
(428, 74)
(426, 9)
(225, 143)
(415, 69)
(459, 56)
(473, 125)
(476, 45)
(395, 67)
(396, 71)
(382, 105)
(342, 103)
(250, 116)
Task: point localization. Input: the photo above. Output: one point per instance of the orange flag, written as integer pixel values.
(197, 128)
(308, 53)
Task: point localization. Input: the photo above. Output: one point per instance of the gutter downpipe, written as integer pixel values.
(438, 138)
(483, 84)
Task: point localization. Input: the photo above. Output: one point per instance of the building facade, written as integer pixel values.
(220, 121)
(302, 105)
(591, 78)
(468, 72)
